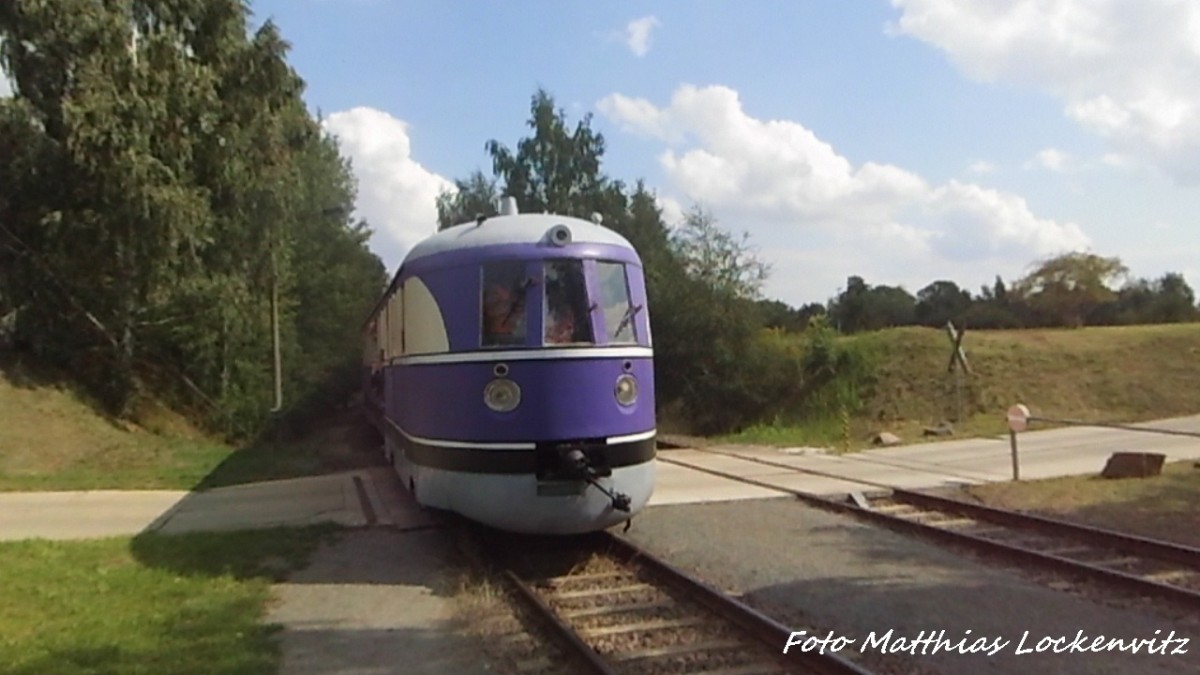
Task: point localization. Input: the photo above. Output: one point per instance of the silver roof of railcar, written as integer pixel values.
(523, 228)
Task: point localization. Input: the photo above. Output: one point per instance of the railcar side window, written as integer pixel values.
(566, 314)
(618, 309)
(503, 303)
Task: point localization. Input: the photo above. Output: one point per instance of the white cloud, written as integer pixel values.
(6, 89)
(1117, 160)
(974, 222)
(981, 167)
(778, 172)
(395, 193)
(672, 210)
(1124, 71)
(638, 32)
(1051, 159)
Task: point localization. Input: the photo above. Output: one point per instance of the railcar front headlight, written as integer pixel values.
(626, 390)
(502, 395)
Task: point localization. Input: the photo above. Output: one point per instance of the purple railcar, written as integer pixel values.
(511, 374)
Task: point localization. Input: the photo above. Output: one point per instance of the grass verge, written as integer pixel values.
(1162, 507)
(183, 604)
(52, 437)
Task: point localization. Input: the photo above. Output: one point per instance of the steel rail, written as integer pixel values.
(1184, 555)
(562, 633)
(1163, 550)
(1155, 548)
(756, 627)
(1114, 425)
(755, 624)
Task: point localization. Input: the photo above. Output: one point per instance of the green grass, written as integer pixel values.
(822, 432)
(53, 438)
(136, 463)
(155, 604)
(1117, 374)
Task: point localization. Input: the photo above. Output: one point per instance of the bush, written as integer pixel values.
(836, 374)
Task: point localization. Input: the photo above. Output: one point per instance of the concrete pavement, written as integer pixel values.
(374, 496)
(354, 498)
(1050, 453)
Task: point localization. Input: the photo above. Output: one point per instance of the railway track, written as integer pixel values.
(1140, 565)
(626, 611)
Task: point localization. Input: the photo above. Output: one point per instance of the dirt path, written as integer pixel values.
(380, 599)
(377, 601)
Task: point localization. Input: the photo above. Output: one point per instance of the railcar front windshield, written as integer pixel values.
(615, 303)
(504, 289)
(566, 315)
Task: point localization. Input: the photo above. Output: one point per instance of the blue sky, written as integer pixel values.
(902, 141)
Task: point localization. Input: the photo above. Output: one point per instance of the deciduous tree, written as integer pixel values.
(1065, 289)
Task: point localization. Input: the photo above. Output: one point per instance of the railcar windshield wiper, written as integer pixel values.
(629, 314)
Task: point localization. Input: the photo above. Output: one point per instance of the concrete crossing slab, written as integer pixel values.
(1049, 453)
(680, 485)
(374, 496)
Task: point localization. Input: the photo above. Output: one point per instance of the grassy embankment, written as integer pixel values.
(1119, 374)
(53, 438)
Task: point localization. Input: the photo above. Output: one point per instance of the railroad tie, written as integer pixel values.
(676, 650)
(554, 582)
(593, 592)
(588, 612)
(764, 668)
(661, 624)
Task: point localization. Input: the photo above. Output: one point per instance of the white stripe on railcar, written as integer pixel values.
(631, 438)
(482, 356)
(461, 444)
(612, 440)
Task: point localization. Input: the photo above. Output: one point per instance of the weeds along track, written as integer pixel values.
(1143, 566)
(613, 608)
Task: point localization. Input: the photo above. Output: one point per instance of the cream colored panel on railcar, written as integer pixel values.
(370, 355)
(426, 329)
(395, 326)
(381, 334)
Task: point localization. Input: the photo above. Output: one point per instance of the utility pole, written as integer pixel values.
(275, 334)
(275, 342)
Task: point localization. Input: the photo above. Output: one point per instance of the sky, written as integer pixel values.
(903, 141)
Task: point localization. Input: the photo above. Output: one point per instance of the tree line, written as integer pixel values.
(716, 369)
(1070, 290)
(168, 206)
